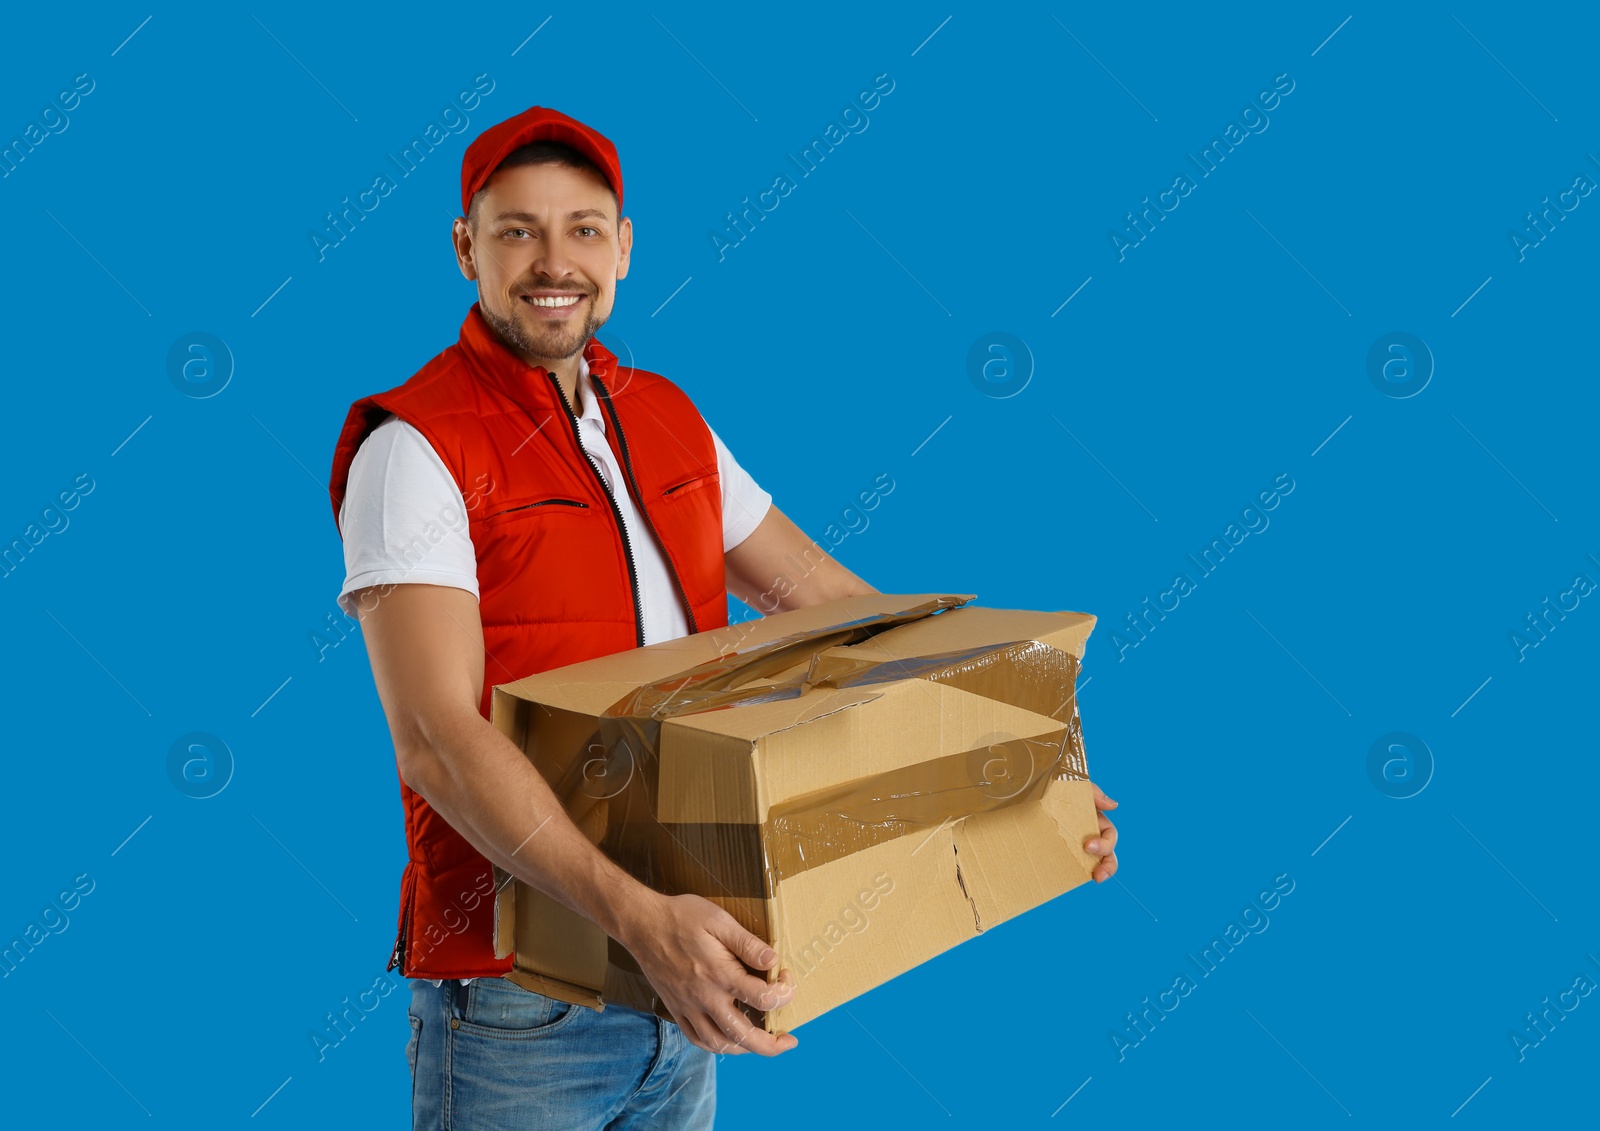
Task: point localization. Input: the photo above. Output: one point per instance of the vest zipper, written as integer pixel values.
(616, 512)
(398, 955)
(627, 466)
(399, 949)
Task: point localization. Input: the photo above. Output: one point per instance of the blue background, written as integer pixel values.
(831, 346)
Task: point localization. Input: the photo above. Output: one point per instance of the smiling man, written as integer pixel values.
(525, 501)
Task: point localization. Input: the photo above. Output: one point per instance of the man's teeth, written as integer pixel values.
(553, 300)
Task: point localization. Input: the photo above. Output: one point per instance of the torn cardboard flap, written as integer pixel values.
(908, 763)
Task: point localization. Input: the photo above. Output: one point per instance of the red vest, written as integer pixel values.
(556, 576)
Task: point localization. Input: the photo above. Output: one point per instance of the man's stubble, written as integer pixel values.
(556, 342)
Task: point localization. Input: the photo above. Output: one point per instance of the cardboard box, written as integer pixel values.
(864, 784)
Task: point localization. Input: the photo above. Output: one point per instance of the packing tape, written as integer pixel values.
(612, 797)
(718, 683)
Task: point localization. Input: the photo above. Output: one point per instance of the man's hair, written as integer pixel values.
(538, 153)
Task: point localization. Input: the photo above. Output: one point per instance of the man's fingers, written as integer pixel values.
(1106, 868)
(748, 948)
(706, 1033)
(1101, 801)
(762, 994)
(1106, 842)
(740, 1030)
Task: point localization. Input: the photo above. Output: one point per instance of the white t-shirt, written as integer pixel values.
(398, 486)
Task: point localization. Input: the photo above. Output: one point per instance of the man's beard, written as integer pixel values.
(557, 339)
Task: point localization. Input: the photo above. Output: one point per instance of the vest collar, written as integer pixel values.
(493, 362)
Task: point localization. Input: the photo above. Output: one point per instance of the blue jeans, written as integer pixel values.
(492, 1055)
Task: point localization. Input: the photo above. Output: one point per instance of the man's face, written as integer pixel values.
(547, 254)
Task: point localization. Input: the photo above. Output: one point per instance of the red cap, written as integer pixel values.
(536, 123)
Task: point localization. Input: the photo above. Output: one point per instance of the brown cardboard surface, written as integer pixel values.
(865, 783)
(855, 923)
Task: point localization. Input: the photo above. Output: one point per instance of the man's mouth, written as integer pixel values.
(552, 301)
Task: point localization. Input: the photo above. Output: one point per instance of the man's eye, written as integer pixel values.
(514, 231)
(596, 231)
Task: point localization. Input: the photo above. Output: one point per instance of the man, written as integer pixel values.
(521, 503)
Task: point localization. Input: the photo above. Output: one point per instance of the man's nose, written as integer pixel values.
(552, 261)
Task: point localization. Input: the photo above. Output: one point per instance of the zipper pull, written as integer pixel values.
(399, 948)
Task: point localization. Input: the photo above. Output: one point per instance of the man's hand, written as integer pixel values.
(1104, 845)
(694, 953)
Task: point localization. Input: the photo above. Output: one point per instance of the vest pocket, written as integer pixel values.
(522, 507)
(689, 486)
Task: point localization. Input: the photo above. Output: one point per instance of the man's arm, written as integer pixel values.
(425, 643)
(779, 568)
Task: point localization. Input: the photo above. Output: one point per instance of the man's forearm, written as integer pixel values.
(493, 796)
(779, 568)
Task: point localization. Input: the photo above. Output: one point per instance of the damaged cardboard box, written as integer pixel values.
(864, 783)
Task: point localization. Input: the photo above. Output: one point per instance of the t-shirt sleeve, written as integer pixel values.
(403, 517)
(744, 503)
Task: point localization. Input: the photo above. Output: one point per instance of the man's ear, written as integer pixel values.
(624, 246)
(461, 240)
